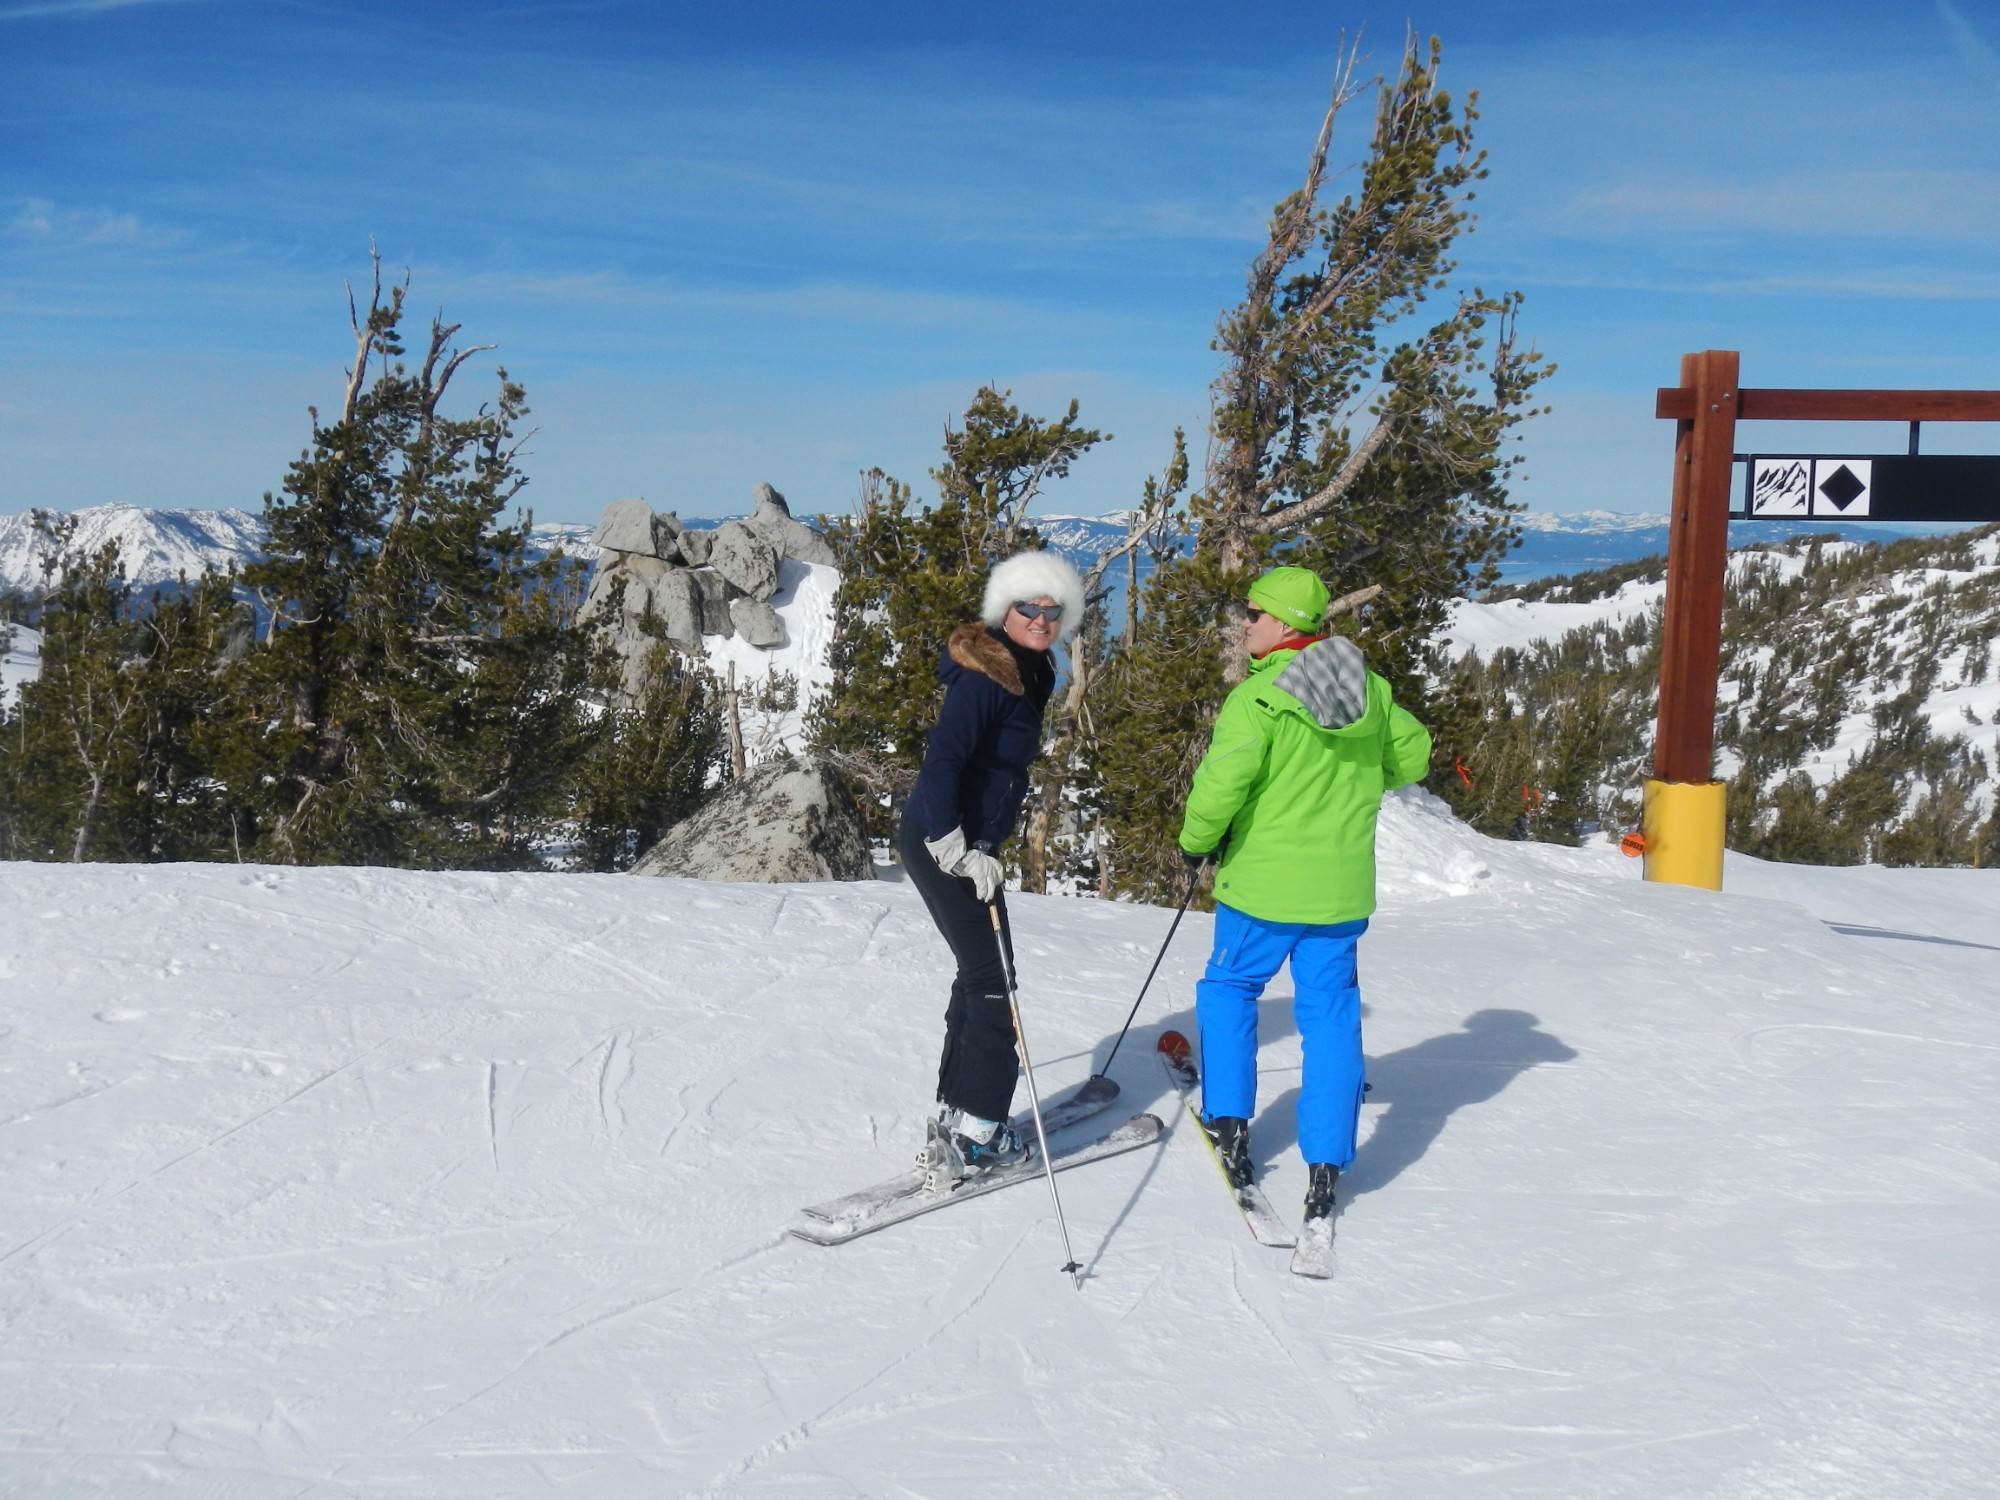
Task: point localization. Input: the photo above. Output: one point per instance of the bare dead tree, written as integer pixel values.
(1311, 396)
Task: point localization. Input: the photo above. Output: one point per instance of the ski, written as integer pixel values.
(1177, 1057)
(1092, 1096)
(1314, 1256)
(862, 1213)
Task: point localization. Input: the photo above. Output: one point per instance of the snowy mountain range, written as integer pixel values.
(1551, 545)
(159, 546)
(354, 1182)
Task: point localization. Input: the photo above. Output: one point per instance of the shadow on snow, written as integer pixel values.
(1423, 1086)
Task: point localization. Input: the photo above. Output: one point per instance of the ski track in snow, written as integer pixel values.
(373, 1183)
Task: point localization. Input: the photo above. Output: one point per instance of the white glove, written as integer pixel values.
(983, 870)
(948, 851)
(976, 865)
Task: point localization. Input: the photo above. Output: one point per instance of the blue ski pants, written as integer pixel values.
(1327, 1008)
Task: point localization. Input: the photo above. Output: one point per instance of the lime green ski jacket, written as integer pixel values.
(1298, 799)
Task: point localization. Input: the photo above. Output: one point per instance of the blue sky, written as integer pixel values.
(788, 242)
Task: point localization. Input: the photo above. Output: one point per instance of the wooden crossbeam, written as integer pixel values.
(1777, 404)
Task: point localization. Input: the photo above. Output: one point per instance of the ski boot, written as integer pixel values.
(1320, 1189)
(957, 1146)
(1231, 1138)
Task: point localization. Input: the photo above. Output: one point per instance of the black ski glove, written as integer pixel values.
(1196, 861)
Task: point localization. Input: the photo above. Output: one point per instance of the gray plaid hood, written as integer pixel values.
(1331, 680)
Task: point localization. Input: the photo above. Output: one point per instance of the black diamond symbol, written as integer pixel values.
(1842, 488)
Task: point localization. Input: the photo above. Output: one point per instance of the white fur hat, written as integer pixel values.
(1033, 575)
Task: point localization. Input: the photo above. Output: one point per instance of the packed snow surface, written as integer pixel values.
(373, 1183)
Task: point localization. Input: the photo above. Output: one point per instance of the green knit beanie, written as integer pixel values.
(1294, 595)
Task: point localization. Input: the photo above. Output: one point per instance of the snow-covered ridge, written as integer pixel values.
(1517, 624)
(156, 546)
(159, 547)
(1489, 626)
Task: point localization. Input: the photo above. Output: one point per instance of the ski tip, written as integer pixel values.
(1174, 1045)
(1095, 1089)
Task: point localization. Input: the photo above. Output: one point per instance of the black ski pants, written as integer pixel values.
(977, 1072)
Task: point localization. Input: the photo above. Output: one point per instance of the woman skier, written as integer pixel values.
(998, 673)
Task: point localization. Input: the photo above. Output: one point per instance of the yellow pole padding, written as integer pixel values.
(1683, 822)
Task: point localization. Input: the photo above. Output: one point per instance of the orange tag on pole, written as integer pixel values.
(1632, 845)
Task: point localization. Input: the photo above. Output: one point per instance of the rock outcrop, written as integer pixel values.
(757, 623)
(745, 559)
(626, 526)
(695, 582)
(772, 519)
(787, 820)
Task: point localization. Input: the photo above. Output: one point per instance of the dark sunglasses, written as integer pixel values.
(1252, 613)
(1050, 612)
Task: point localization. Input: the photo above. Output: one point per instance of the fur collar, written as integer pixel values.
(974, 648)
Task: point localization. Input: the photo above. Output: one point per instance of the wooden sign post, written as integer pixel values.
(1685, 808)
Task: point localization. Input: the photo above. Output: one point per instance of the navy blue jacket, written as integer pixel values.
(988, 733)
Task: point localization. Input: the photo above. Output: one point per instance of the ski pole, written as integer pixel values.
(1194, 879)
(1034, 1097)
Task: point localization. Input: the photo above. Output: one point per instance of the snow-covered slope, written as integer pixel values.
(157, 546)
(20, 661)
(1582, 541)
(1516, 624)
(804, 601)
(340, 1183)
(1833, 656)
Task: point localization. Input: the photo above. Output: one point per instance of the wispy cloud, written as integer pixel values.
(1897, 286)
(39, 220)
(1906, 204)
(1978, 56)
(673, 306)
(45, 8)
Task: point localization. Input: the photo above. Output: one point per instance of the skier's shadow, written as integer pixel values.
(1426, 1084)
(1423, 1086)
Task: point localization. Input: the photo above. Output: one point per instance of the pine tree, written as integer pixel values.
(100, 759)
(1408, 508)
(1416, 502)
(1064, 833)
(653, 762)
(70, 751)
(1155, 709)
(417, 699)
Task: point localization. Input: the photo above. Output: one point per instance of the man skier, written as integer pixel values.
(1288, 795)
